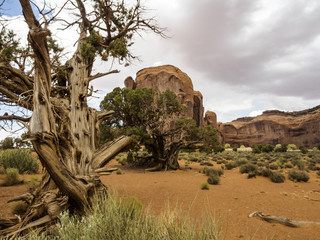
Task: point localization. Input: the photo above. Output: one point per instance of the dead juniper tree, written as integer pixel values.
(62, 127)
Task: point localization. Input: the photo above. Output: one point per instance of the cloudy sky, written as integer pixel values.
(245, 56)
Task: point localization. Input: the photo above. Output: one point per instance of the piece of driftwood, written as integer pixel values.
(105, 169)
(104, 173)
(282, 220)
(27, 197)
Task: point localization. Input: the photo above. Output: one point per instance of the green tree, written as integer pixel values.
(7, 143)
(151, 118)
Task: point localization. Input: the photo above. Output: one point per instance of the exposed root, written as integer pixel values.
(282, 220)
(27, 197)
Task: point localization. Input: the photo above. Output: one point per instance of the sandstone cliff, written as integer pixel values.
(168, 77)
(301, 128)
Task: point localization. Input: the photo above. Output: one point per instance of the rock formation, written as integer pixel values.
(272, 127)
(168, 77)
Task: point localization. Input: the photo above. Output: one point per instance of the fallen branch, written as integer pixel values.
(27, 197)
(282, 220)
(105, 169)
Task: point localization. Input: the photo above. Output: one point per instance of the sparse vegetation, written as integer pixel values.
(205, 186)
(109, 220)
(11, 177)
(277, 177)
(298, 176)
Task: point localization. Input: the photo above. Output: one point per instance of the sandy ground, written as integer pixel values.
(231, 201)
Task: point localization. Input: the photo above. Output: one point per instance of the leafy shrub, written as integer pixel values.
(205, 186)
(241, 161)
(20, 159)
(266, 172)
(213, 179)
(267, 148)
(301, 164)
(274, 166)
(213, 171)
(298, 176)
(277, 177)
(249, 167)
(288, 165)
(292, 147)
(19, 208)
(252, 175)
(231, 165)
(118, 172)
(303, 150)
(2, 170)
(227, 145)
(11, 177)
(235, 149)
(206, 163)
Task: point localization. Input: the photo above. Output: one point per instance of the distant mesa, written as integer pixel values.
(301, 128)
(272, 127)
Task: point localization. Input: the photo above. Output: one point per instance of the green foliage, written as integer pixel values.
(266, 172)
(205, 186)
(298, 176)
(249, 167)
(231, 165)
(242, 146)
(11, 177)
(213, 171)
(281, 147)
(109, 220)
(292, 147)
(7, 143)
(277, 177)
(227, 145)
(213, 179)
(267, 148)
(118, 172)
(303, 150)
(131, 207)
(21, 159)
(9, 46)
(235, 149)
(2, 170)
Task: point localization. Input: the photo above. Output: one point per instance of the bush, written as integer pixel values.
(205, 186)
(213, 171)
(267, 148)
(2, 170)
(241, 161)
(118, 172)
(206, 163)
(277, 177)
(252, 174)
(231, 165)
(288, 165)
(213, 179)
(20, 159)
(266, 172)
(11, 177)
(108, 220)
(303, 150)
(274, 166)
(298, 176)
(249, 167)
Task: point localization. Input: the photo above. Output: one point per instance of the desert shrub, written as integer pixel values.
(108, 220)
(213, 171)
(118, 172)
(241, 161)
(298, 176)
(292, 147)
(2, 170)
(242, 146)
(11, 177)
(213, 179)
(252, 175)
(235, 149)
(206, 163)
(261, 163)
(231, 165)
(227, 145)
(266, 172)
(274, 166)
(20, 159)
(300, 164)
(288, 165)
(277, 177)
(205, 186)
(303, 150)
(267, 148)
(19, 208)
(249, 167)
(318, 173)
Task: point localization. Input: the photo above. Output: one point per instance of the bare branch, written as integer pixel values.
(14, 117)
(99, 75)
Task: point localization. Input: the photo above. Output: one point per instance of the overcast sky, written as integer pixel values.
(244, 56)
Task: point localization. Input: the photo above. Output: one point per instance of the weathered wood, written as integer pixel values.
(109, 150)
(282, 220)
(105, 169)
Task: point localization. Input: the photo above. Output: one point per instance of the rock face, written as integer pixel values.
(272, 127)
(168, 77)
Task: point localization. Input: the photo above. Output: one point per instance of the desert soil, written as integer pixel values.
(231, 201)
